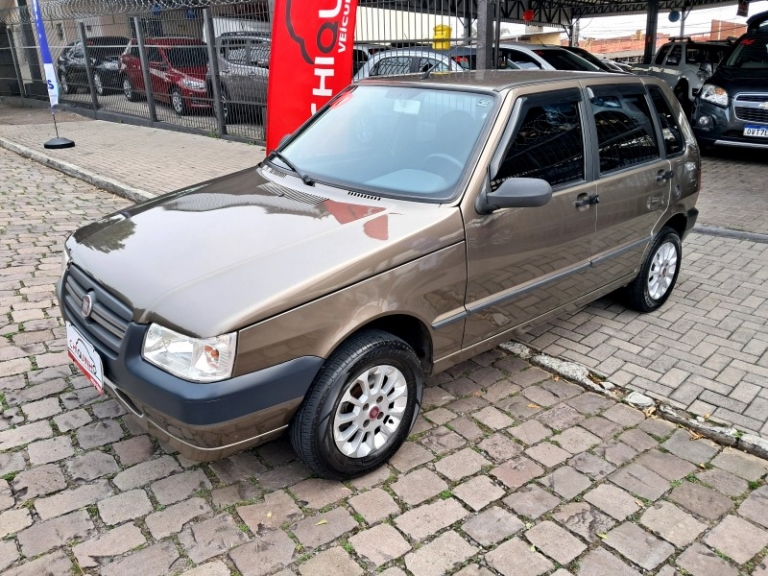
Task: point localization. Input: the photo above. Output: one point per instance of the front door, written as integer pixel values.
(525, 262)
(634, 183)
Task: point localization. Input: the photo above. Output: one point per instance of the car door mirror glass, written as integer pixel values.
(516, 193)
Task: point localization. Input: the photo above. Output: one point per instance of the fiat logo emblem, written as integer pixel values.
(87, 306)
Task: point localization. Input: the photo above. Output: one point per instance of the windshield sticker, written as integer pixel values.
(484, 103)
(411, 107)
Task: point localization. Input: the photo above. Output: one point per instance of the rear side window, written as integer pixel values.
(392, 66)
(670, 129)
(564, 60)
(430, 63)
(625, 132)
(547, 142)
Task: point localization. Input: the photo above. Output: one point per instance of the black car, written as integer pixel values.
(104, 54)
(732, 107)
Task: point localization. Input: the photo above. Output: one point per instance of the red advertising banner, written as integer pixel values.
(310, 61)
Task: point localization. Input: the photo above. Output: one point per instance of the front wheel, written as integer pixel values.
(658, 273)
(360, 408)
(177, 102)
(98, 83)
(66, 87)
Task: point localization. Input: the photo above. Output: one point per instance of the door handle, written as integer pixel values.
(584, 200)
(664, 175)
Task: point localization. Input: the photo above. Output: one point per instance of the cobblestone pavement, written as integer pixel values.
(509, 471)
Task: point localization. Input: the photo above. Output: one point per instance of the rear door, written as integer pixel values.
(634, 178)
(525, 262)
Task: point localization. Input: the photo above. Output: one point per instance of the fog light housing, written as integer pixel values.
(705, 122)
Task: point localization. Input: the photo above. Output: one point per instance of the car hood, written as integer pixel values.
(225, 254)
(735, 80)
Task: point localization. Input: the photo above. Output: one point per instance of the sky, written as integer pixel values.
(698, 21)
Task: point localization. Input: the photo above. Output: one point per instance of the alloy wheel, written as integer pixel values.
(662, 271)
(370, 412)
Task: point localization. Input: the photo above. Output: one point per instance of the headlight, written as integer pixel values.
(195, 359)
(110, 65)
(193, 83)
(714, 94)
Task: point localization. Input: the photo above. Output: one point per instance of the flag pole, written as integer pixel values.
(52, 83)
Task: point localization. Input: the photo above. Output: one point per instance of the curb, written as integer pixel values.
(716, 430)
(728, 233)
(108, 184)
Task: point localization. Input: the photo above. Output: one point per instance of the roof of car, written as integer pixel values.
(494, 80)
(171, 41)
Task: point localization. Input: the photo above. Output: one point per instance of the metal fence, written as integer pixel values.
(199, 65)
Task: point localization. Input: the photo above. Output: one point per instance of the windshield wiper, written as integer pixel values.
(304, 177)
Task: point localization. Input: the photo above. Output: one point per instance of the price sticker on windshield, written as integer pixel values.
(411, 107)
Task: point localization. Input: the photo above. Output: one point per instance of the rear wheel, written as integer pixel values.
(658, 273)
(360, 408)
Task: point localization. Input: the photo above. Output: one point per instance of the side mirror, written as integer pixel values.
(516, 193)
(706, 68)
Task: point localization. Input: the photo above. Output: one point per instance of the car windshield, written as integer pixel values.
(395, 141)
(751, 53)
(564, 60)
(187, 56)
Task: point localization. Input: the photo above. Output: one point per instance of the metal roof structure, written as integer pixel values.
(546, 12)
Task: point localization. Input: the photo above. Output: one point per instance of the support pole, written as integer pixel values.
(145, 69)
(213, 59)
(88, 67)
(575, 32)
(651, 26)
(484, 35)
(15, 58)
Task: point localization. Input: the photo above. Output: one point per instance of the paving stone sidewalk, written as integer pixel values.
(509, 470)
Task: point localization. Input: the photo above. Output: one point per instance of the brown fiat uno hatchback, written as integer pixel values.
(410, 224)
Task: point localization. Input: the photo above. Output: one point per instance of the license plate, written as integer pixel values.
(756, 131)
(84, 355)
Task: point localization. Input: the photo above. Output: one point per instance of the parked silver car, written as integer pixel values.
(244, 72)
(407, 61)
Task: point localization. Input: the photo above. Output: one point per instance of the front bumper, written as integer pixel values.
(196, 98)
(202, 421)
(722, 127)
(111, 78)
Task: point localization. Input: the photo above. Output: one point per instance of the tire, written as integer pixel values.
(66, 87)
(321, 416)
(227, 106)
(658, 273)
(177, 102)
(129, 90)
(98, 84)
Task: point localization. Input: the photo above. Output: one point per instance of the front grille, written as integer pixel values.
(752, 114)
(109, 318)
(752, 98)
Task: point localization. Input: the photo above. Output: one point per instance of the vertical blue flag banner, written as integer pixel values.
(42, 40)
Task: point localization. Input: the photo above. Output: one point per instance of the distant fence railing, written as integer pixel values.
(197, 65)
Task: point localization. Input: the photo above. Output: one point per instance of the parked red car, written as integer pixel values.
(177, 67)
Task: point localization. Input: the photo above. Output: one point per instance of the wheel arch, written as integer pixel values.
(678, 222)
(406, 327)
